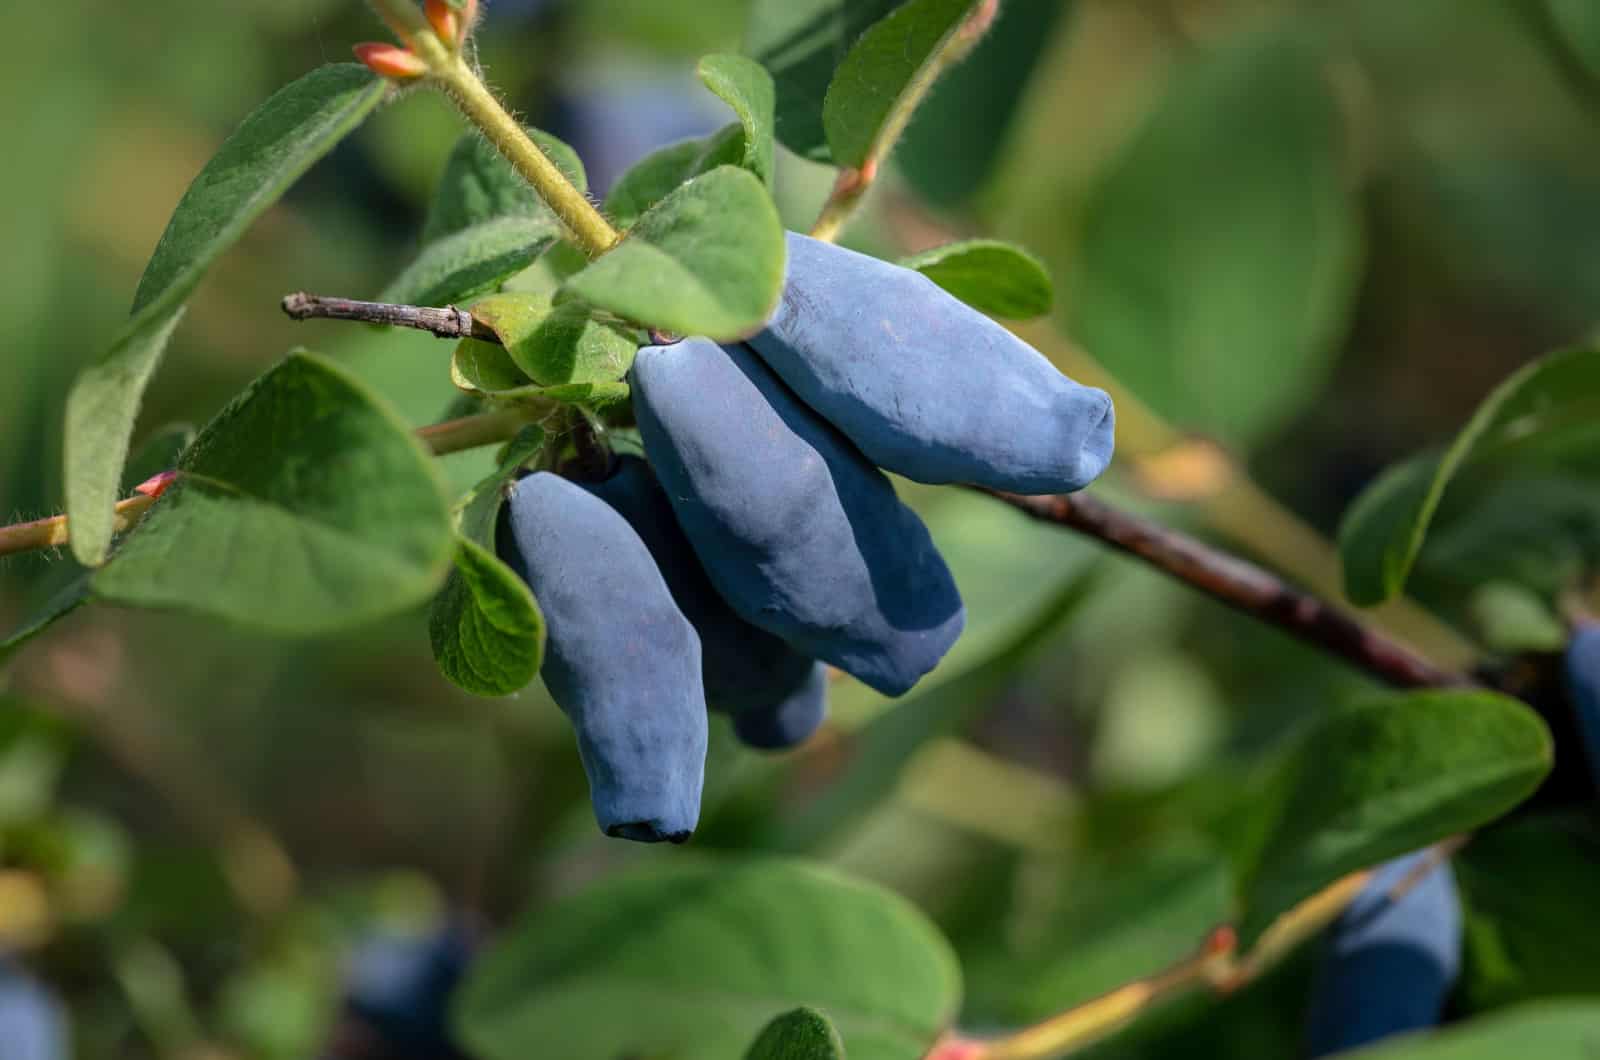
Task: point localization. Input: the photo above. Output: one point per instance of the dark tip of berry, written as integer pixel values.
(645, 832)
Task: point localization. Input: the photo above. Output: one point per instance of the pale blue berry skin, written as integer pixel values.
(799, 532)
(1390, 965)
(33, 1025)
(769, 688)
(926, 386)
(620, 658)
(1582, 665)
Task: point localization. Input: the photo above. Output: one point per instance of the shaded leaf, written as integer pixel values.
(1383, 531)
(700, 956)
(304, 507)
(556, 344)
(802, 43)
(746, 87)
(863, 111)
(58, 605)
(472, 261)
(996, 278)
(1218, 258)
(804, 1034)
(480, 185)
(1564, 1030)
(1578, 22)
(1390, 775)
(706, 260)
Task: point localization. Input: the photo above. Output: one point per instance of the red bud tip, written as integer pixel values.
(445, 21)
(156, 486)
(391, 61)
(1223, 940)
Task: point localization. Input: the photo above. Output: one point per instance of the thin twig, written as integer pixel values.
(1242, 586)
(448, 322)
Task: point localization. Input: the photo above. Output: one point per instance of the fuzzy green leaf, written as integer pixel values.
(997, 278)
(803, 1034)
(479, 185)
(472, 261)
(559, 344)
(706, 260)
(306, 506)
(662, 172)
(746, 87)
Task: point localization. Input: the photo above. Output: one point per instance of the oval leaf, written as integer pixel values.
(472, 261)
(801, 43)
(886, 71)
(996, 278)
(1375, 781)
(486, 370)
(479, 185)
(746, 87)
(276, 144)
(693, 959)
(804, 1034)
(706, 260)
(486, 628)
(556, 344)
(304, 507)
(661, 172)
(1218, 260)
(1383, 532)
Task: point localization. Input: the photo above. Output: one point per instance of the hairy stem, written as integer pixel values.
(49, 533)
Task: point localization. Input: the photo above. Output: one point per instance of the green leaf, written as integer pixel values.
(472, 261)
(487, 370)
(486, 628)
(558, 344)
(1388, 776)
(1528, 888)
(700, 955)
(254, 167)
(802, 43)
(804, 1034)
(1218, 259)
(881, 749)
(1555, 1030)
(996, 278)
(706, 260)
(1578, 23)
(746, 87)
(660, 173)
(276, 144)
(306, 506)
(1383, 532)
(59, 604)
(479, 185)
(885, 72)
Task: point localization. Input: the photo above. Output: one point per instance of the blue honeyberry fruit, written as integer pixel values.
(620, 658)
(748, 673)
(1390, 964)
(926, 386)
(1582, 666)
(32, 1023)
(799, 533)
(400, 986)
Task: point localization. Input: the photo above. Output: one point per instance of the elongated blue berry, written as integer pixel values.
(926, 386)
(400, 986)
(799, 533)
(1583, 687)
(621, 660)
(1390, 963)
(768, 687)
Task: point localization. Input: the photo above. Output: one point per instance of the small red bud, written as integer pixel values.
(391, 61)
(156, 485)
(445, 21)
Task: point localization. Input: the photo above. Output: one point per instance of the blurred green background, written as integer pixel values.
(1319, 232)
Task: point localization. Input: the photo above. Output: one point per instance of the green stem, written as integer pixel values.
(473, 432)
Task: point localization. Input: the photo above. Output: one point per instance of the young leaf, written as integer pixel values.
(1371, 782)
(803, 1034)
(556, 344)
(1549, 1030)
(487, 370)
(1383, 532)
(661, 172)
(479, 185)
(747, 88)
(486, 628)
(700, 956)
(304, 507)
(706, 260)
(996, 278)
(472, 261)
(276, 144)
(1218, 258)
(802, 43)
(865, 108)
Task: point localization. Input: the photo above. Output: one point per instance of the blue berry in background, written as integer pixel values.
(799, 533)
(620, 658)
(400, 984)
(620, 114)
(32, 1023)
(1582, 666)
(926, 386)
(747, 671)
(1390, 964)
